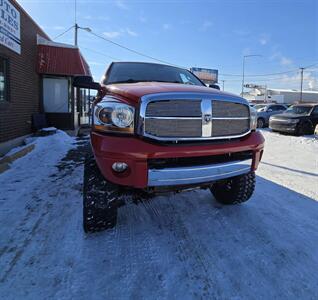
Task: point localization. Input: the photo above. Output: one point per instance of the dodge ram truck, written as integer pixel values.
(158, 128)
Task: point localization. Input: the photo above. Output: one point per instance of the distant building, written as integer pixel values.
(263, 94)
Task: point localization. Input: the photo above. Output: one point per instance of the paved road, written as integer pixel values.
(171, 247)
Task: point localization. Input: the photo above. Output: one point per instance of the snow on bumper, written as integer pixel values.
(136, 153)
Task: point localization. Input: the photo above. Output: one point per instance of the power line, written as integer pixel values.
(66, 31)
(222, 74)
(269, 74)
(165, 62)
(280, 78)
(101, 53)
(131, 50)
(266, 80)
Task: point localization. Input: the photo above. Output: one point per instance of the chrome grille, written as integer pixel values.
(174, 108)
(183, 116)
(174, 127)
(229, 127)
(229, 109)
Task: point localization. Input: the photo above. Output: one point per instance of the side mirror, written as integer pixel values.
(214, 86)
(269, 110)
(86, 82)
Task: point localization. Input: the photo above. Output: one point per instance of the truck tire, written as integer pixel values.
(99, 205)
(234, 190)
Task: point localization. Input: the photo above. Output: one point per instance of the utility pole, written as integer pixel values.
(223, 84)
(301, 84)
(243, 73)
(266, 95)
(76, 27)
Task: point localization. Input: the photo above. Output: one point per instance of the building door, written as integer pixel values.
(56, 95)
(57, 103)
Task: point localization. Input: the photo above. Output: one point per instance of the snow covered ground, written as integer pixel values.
(171, 247)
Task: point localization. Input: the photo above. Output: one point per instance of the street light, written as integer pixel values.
(76, 31)
(243, 73)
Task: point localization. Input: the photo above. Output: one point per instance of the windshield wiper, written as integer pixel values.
(130, 80)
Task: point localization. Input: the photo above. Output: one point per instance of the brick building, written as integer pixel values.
(32, 69)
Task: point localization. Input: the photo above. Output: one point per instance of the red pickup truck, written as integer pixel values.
(158, 128)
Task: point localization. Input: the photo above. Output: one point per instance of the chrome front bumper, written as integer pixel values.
(197, 174)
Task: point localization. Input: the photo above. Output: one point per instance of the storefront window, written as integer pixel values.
(3, 79)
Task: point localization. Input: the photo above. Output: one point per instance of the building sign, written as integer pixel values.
(254, 86)
(206, 75)
(10, 26)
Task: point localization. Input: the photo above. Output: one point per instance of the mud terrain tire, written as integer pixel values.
(234, 190)
(99, 199)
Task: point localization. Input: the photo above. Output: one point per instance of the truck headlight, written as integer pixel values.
(122, 116)
(253, 118)
(293, 121)
(113, 116)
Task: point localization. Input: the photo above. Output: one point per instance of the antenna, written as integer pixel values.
(75, 20)
(75, 11)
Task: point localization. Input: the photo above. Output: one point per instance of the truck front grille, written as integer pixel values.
(194, 118)
(227, 127)
(179, 162)
(229, 109)
(174, 127)
(174, 108)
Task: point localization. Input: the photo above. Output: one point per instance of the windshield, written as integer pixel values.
(146, 72)
(259, 106)
(299, 110)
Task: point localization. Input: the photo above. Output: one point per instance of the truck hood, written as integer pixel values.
(134, 91)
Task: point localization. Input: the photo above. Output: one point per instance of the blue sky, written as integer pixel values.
(212, 34)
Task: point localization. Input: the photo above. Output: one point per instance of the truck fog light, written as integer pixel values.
(119, 167)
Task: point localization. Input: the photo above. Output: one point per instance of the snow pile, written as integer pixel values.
(48, 151)
(292, 162)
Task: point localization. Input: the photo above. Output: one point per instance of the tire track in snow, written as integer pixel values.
(198, 270)
(24, 245)
(140, 250)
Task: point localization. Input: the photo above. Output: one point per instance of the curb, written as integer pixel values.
(6, 160)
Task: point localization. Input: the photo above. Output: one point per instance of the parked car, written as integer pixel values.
(265, 111)
(298, 119)
(159, 128)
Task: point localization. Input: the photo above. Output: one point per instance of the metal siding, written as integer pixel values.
(61, 61)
